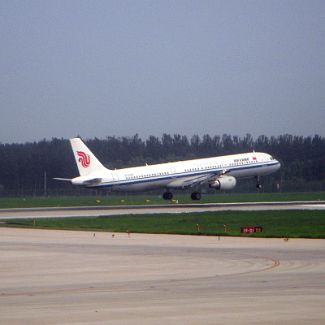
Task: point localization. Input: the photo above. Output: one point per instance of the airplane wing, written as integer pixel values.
(190, 181)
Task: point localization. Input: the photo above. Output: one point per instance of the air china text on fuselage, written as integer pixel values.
(217, 172)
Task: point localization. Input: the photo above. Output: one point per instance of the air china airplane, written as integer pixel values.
(218, 172)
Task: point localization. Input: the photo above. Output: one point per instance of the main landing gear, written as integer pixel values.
(196, 196)
(169, 196)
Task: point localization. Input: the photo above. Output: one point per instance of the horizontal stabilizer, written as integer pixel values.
(93, 181)
(190, 181)
(62, 179)
(84, 181)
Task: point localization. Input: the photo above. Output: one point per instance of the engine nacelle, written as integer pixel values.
(224, 183)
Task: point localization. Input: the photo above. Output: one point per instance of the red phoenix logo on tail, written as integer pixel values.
(84, 159)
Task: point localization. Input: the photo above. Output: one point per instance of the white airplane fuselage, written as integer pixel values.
(174, 174)
(217, 172)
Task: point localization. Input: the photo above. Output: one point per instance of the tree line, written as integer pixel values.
(29, 168)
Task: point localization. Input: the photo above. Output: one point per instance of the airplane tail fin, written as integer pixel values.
(86, 161)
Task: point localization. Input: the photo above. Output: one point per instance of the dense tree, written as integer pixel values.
(23, 167)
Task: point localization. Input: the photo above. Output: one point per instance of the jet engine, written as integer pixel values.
(224, 183)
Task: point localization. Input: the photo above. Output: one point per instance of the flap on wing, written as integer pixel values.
(190, 181)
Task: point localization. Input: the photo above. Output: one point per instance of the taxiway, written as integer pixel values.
(73, 277)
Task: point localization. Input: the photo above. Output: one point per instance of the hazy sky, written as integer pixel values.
(99, 68)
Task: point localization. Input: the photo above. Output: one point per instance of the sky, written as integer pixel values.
(119, 68)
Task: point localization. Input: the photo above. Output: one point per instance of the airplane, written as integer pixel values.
(220, 173)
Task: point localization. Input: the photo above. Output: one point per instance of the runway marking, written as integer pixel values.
(58, 291)
(110, 288)
(275, 263)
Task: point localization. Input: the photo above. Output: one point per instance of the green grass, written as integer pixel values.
(294, 224)
(65, 201)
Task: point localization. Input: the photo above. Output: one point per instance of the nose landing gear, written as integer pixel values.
(258, 184)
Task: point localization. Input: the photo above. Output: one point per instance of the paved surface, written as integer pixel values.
(62, 277)
(149, 209)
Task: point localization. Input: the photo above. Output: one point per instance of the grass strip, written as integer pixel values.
(290, 223)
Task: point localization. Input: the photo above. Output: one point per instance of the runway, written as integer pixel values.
(65, 277)
(97, 211)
